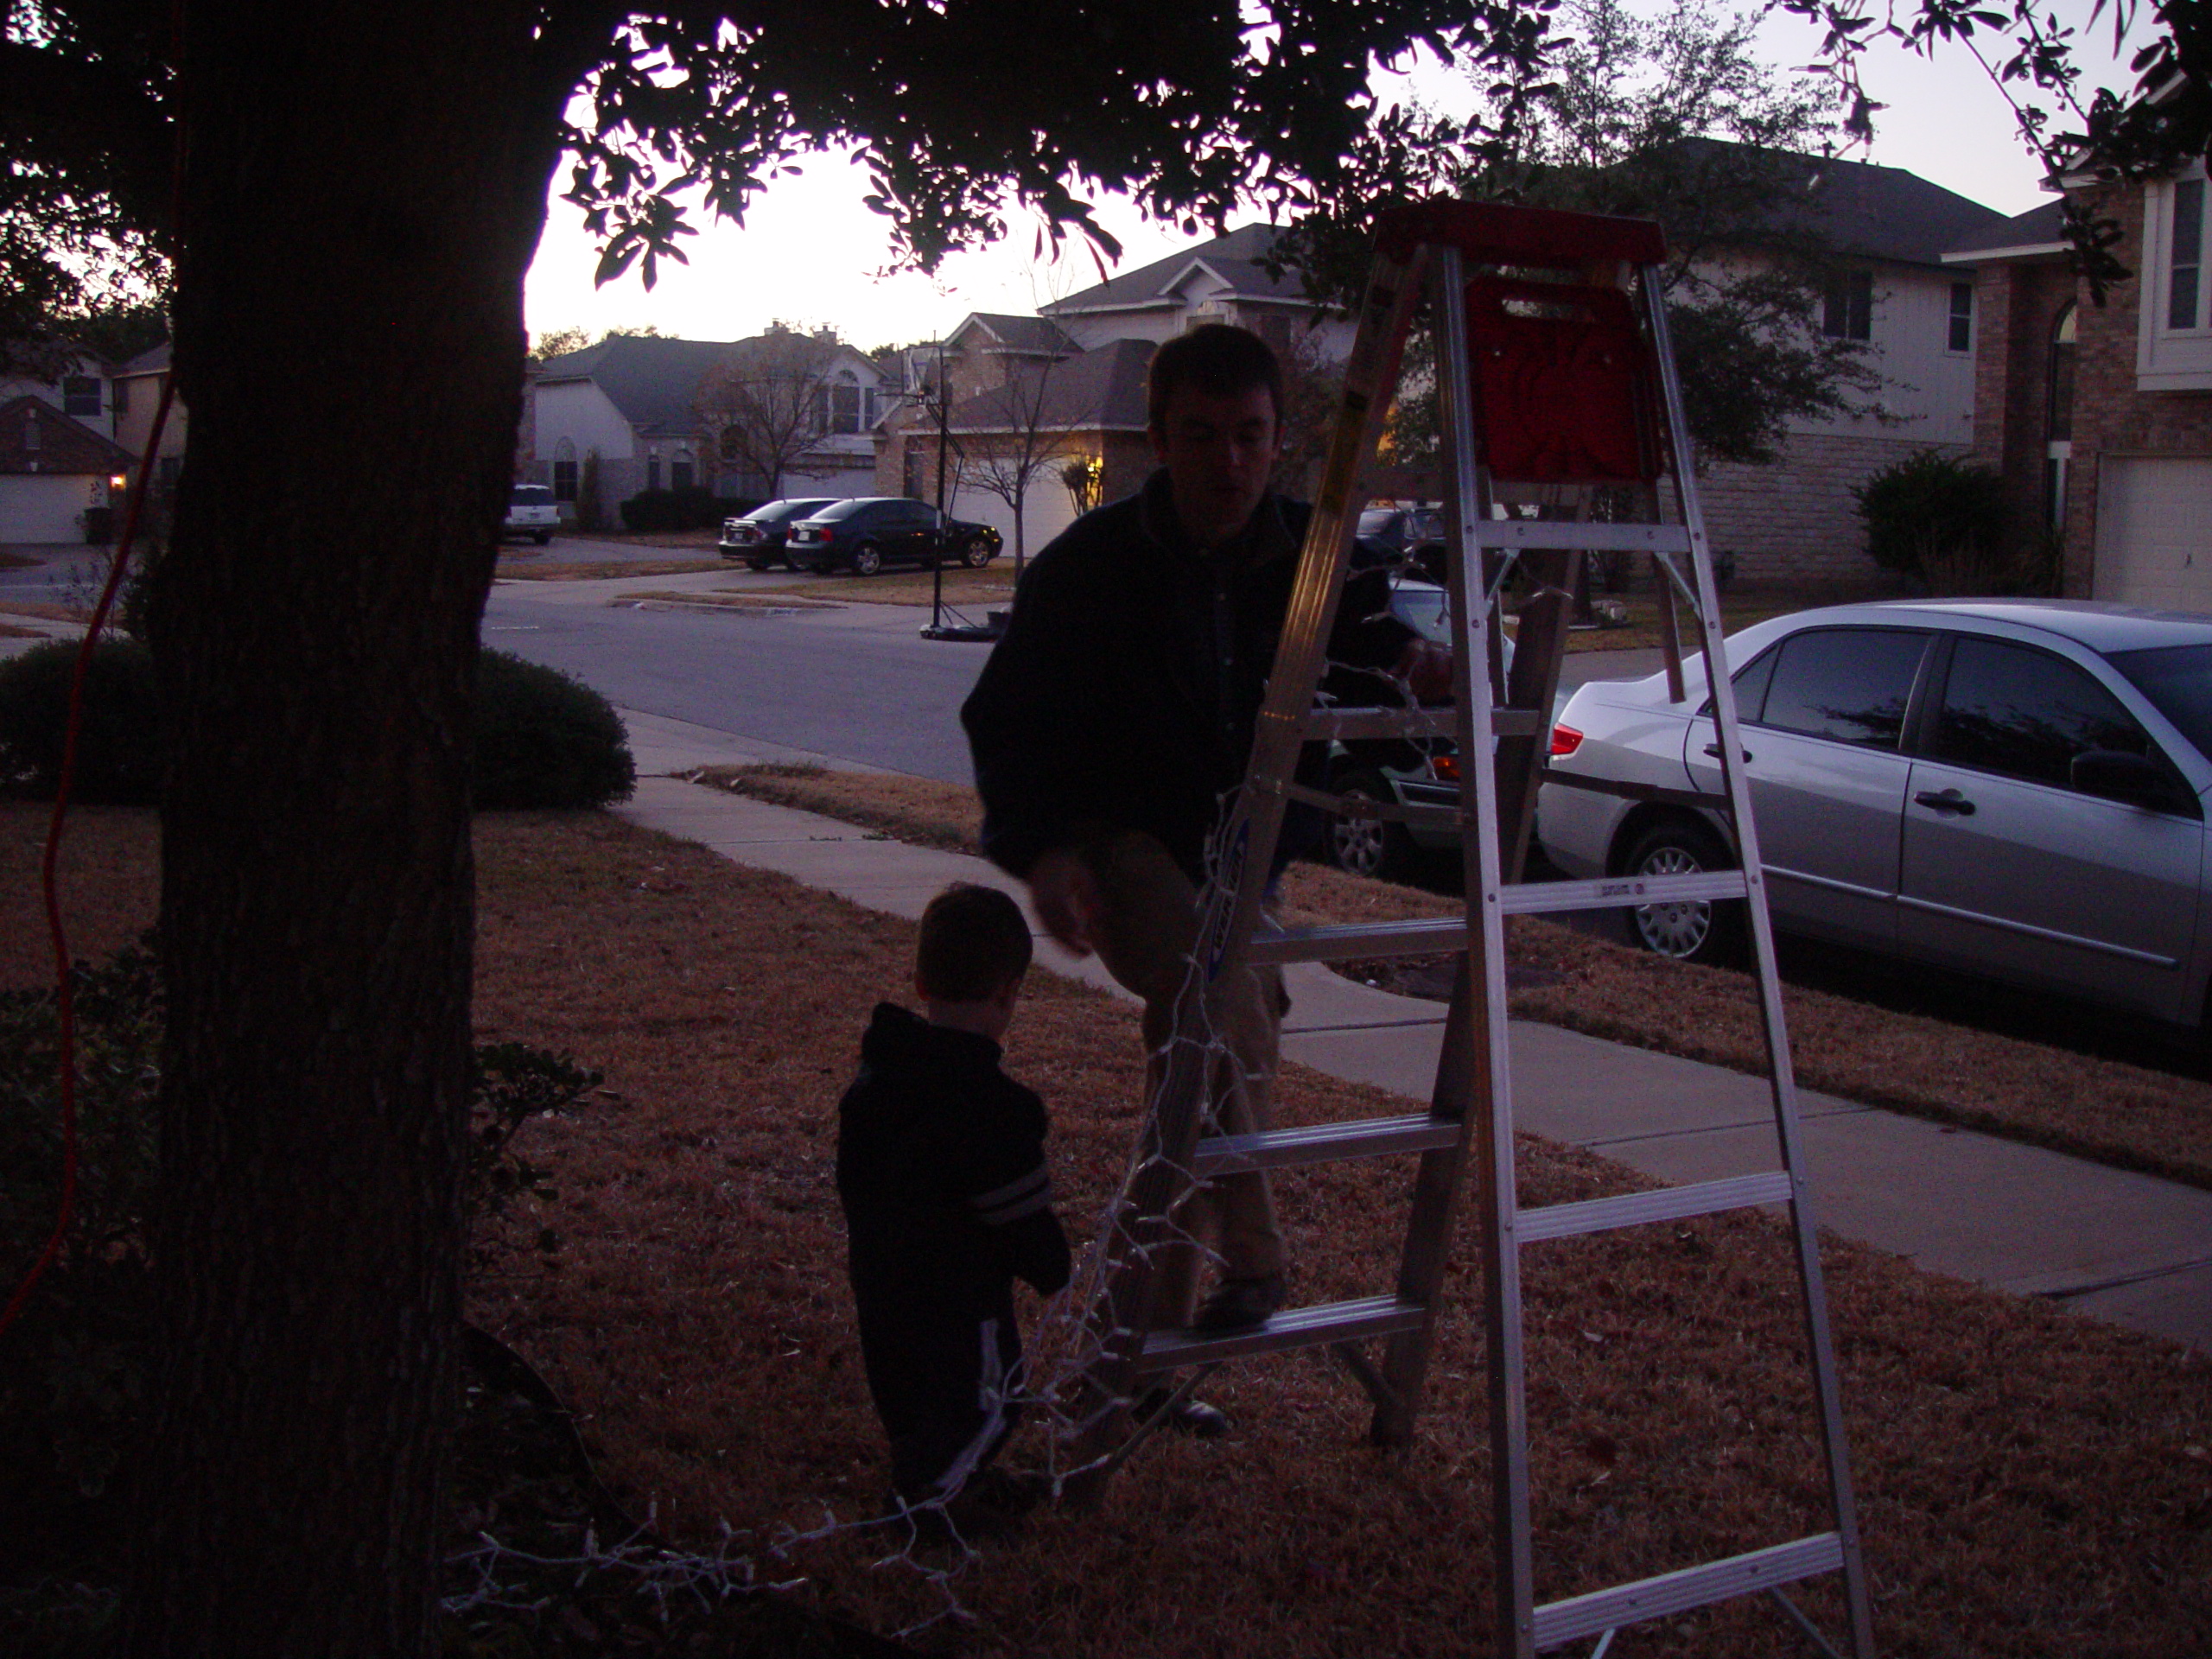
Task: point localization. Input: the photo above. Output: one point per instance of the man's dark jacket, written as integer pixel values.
(941, 1172)
(1124, 692)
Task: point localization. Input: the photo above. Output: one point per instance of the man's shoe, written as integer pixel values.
(1193, 1417)
(1238, 1304)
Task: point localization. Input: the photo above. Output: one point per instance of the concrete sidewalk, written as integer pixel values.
(2110, 1243)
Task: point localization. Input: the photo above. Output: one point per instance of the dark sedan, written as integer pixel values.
(866, 533)
(758, 537)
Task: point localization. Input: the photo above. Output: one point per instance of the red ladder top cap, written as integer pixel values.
(1493, 234)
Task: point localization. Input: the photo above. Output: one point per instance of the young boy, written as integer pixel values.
(941, 1170)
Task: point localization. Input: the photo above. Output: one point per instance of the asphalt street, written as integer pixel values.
(856, 682)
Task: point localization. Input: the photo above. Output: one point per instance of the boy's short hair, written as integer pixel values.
(1218, 358)
(973, 940)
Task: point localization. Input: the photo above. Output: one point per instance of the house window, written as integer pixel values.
(652, 472)
(122, 397)
(564, 471)
(1962, 317)
(2173, 342)
(1847, 308)
(2185, 275)
(682, 472)
(80, 395)
(841, 405)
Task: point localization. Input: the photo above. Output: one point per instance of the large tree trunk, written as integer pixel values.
(365, 187)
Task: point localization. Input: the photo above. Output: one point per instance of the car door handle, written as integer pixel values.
(1949, 800)
(1713, 749)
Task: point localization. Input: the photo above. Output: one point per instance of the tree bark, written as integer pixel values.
(364, 187)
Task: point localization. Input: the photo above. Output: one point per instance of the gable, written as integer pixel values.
(36, 437)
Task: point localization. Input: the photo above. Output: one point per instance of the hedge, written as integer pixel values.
(543, 739)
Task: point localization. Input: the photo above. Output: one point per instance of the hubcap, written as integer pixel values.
(1358, 841)
(1675, 930)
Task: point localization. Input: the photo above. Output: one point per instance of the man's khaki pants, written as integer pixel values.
(1145, 937)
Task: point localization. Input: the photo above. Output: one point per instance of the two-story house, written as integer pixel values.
(1887, 229)
(651, 414)
(61, 470)
(2098, 416)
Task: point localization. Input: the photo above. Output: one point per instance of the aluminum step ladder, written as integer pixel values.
(1560, 396)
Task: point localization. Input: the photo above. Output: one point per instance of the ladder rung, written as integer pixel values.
(1415, 938)
(1665, 1204)
(1440, 817)
(1323, 1143)
(1566, 1621)
(1301, 1327)
(1524, 535)
(1347, 724)
(1437, 935)
(1537, 897)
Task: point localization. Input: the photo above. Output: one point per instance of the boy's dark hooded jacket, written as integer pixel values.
(941, 1170)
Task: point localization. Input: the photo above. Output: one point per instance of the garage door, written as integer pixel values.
(34, 509)
(2154, 531)
(1047, 508)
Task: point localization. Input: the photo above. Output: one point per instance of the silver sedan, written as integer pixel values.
(2015, 788)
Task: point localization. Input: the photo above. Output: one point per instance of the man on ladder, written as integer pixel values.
(1113, 722)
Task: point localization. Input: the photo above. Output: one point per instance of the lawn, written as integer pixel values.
(2030, 1483)
(2128, 1115)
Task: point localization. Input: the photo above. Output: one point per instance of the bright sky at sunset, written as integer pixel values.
(810, 253)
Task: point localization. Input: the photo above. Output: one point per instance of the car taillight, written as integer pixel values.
(1446, 768)
(1565, 741)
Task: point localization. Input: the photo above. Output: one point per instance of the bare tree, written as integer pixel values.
(767, 405)
(1015, 433)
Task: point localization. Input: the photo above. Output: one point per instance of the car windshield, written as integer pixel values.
(777, 512)
(530, 495)
(1419, 605)
(2179, 680)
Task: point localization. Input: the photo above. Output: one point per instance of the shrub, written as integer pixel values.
(120, 753)
(544, 740)
(1934, 517)
(666, 509)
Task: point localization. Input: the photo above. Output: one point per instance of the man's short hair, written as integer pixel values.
(973, 940)
(1219, 360)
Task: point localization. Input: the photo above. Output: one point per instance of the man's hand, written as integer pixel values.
(1065, 895)
(1426, 670)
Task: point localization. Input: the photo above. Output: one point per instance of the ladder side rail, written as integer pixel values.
(1240, 851)
(1532, 685)
(1491, 1097)
(1819, 1347)
(1244, 845)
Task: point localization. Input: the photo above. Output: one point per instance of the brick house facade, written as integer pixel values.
(2098, 417)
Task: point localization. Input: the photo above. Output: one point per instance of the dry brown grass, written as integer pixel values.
(2030, 1484)
(969, 589)
(514, 569)
(46, 613)
(2117, 1114)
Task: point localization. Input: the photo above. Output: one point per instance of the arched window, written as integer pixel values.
(564, 471)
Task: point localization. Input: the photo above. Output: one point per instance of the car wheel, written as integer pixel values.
(867, 559)
(978, 553)
(1368, 847)
(543, 536)
(1693, 930)
(757, 564)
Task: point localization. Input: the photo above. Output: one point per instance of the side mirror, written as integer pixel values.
(2112, 775)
